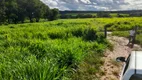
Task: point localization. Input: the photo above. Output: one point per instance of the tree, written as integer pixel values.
(53, 14)
(2, 11)
(35, 9)
(11, 11)
(21, 10)
(46, 12)
(40, 11)
(14, 11)
(30, 9)
(103, 14)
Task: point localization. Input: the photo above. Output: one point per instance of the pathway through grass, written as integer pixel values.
(111, 68)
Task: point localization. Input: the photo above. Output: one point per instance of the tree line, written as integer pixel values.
(17, 11)
(99, 14)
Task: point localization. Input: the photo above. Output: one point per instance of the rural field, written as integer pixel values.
(64, 49)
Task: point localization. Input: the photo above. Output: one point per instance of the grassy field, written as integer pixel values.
(121, 26)
(61, 49)
(48, 50)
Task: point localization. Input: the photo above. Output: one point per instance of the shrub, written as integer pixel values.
(57, 35)
(78, 32)
(90, 34)
(139, 39)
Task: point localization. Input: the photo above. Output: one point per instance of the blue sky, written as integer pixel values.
(94, 5)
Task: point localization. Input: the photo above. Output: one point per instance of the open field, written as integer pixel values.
(61, 49)
(48, 50)
(121, 26)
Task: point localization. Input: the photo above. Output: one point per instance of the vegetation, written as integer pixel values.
(126, 34)
(61, 49)
(121, 26)
(16, 11)
(80, 15)
(99, 14)
(49, 50)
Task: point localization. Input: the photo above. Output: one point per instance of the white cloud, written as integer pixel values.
(76, 1)
(51, 3)
(94, 4)
(85, 1)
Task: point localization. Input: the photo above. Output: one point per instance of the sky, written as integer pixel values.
(94, 5)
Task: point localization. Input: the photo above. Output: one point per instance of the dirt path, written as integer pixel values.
(111, 68)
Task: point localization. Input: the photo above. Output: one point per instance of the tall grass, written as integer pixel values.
(54, 50)
(121, 26)
(47, 50)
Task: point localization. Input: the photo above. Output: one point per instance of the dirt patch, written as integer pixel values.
(111, 68)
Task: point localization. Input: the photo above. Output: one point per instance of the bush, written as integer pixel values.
(139, 39)
(78, 32)
(90, 34)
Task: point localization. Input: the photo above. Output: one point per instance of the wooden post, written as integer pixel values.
(133, 42)
(105, 32)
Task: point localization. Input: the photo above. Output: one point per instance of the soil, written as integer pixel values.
(112, 69)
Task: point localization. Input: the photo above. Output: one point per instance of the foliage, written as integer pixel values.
(53, 14)
(103, 14)
(16, 11)
(98, 14)
(126, 34)
(139, 39)
(81, 15)
(61, 49)
(48, 50)
(121, 26)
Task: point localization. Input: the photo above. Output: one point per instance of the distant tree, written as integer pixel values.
(46, 12)
(103, 14)
(136, 14)
(30, 9)
(79, 15)
(11, 11)
(41, 11)
(53, 14)
(14, 11)
(36, 9)
(85, 16)
(66, 16)
(88, 16)
(2, 11)
(21, 10)
(120, 15)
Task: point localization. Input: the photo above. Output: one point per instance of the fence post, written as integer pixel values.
(133, 42)
(105, 32)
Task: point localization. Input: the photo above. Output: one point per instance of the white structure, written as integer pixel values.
(132, 68)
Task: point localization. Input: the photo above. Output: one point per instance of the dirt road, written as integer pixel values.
(111, 68)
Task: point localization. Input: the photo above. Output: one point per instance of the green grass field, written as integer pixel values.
(47, 50)
(121, 26)
(53, 50)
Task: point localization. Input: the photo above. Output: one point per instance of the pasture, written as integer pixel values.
(53, 50)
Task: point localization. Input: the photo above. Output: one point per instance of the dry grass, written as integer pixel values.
(116, 72)
(115, 63)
